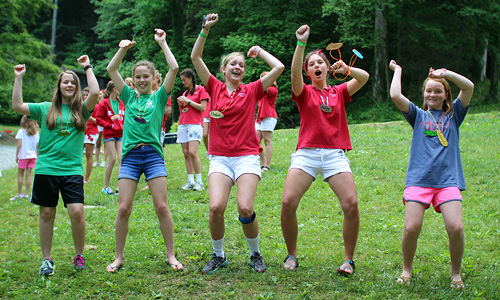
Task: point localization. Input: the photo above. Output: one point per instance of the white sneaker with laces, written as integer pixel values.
(95, 165)
(198, 186)
(103, 163)
(188, 186)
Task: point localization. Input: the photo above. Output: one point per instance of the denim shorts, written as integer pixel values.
(116, 139)
(143, 159)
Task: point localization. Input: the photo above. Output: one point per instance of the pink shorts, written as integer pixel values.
(27, 163)
(436, 196)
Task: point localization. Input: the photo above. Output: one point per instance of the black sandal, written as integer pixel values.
(347, 271)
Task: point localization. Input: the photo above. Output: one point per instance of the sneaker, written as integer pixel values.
(117, 190)
(79, 262)
(257, 262)
(95, 165)
(213, 265)
(188, 186)
(104, 163)
(107, 191)
(18, 196)
(47, 267)
(198, 186)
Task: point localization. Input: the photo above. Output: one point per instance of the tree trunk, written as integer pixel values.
(379, 87)
(494, 92)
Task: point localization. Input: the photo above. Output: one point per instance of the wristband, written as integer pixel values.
(189, 102)
(87, 67)
(203, 35)
(301, 44)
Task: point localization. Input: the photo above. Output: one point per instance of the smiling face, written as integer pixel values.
(143, 79)
(67, 86)
(434, 94)
(234, 68)
(316, 68)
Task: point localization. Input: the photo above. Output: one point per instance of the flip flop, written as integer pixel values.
(113, 269)
(264, 168)
(457, 284)
(177, 267)
(288, 262)
(403, 280)
(346, 268)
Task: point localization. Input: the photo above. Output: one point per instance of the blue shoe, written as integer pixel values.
(47, 267)
(79, 262)
(213, 265)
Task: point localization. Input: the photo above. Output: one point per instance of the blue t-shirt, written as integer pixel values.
(431, 164)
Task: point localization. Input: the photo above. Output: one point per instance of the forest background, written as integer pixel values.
(463, 36)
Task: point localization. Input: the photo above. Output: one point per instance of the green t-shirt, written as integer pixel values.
(152, 109)
(58, 155)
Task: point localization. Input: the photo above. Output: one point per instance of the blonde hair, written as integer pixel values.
(31, 126)
(75, 104)
(227, 58)
(130, 82)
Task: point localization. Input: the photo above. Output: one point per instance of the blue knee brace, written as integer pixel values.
(247, 220)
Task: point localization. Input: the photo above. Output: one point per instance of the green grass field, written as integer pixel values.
(378, 161)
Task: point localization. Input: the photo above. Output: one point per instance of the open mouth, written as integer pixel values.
(317, 73)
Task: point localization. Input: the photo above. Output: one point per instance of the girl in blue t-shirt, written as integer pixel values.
(434, 174)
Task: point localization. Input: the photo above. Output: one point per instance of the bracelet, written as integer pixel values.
(301, 44)
(203, 35)
(87, 67)
(189, 102)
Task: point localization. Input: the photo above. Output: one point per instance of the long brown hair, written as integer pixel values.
(75, 104)
(448, 101)
(31, 126)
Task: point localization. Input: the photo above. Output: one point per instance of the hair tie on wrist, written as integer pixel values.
(301, 44)
(203, 35)
(87, 67)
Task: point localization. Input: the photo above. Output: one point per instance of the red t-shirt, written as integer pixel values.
(91, 126)
(234, 134)
(206, 113)
(317, 128)
(103, 115)
(165, 116)
(267, 105)
(189, 114)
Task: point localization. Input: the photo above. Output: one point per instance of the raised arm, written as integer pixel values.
(17, 92)
(91, 101)
(173, 67)
(397, 97)
(115, 62)
(359, 76)
(302, 35)
(197, 51)
(276, 66)
(466, 86)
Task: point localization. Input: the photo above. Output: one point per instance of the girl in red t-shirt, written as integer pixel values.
(266, 122)
(323, 141)
(233, 143)
(192, 105)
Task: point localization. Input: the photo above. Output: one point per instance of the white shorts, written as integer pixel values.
(91, 138)
(100, 128)
(234, 167)
(206, 120)
(266, 124)
(189, 132)
(327, 162)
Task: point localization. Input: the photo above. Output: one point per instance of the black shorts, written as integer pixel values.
(46, 190)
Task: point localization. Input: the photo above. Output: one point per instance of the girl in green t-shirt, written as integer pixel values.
(142, 150)
(59, 168)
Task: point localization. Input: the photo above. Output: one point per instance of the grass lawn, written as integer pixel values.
(378, 161)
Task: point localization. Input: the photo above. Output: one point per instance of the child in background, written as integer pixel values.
(192, 105)
(26, 154)
(59, 167)
(266, 122)
(109, 114)
(142, 150)
(434, 175)
(91, 136)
